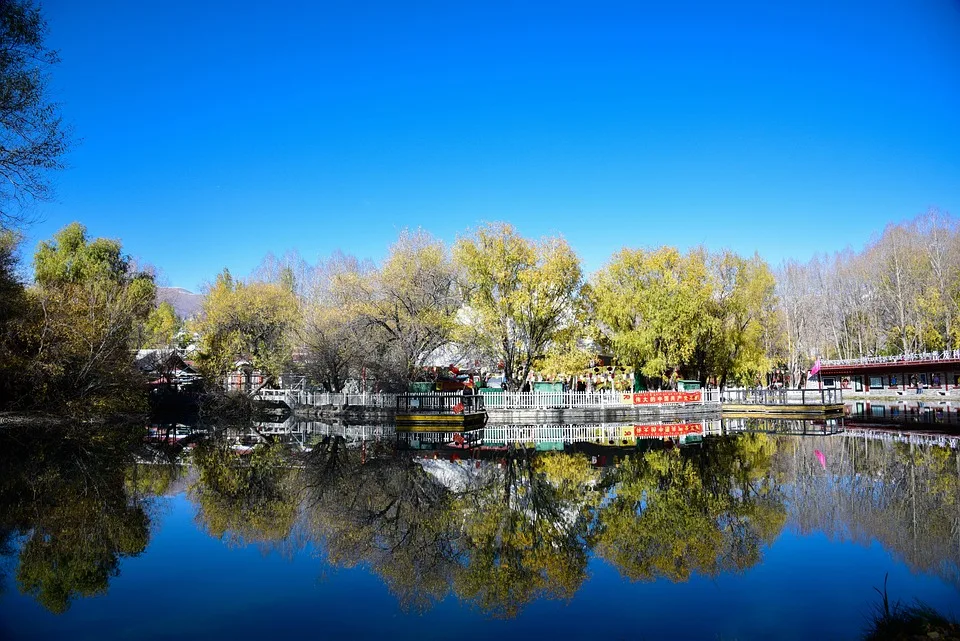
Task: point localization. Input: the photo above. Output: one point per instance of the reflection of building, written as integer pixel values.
(910, 415)
(785, 426)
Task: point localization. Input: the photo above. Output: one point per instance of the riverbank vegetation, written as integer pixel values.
(493, 301)
(898, 295)
(66, 338)
(522, 307)
(498, 302)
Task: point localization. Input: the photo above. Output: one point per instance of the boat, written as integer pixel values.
(440, 412)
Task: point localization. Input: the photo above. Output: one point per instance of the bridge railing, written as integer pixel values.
(371, 399)
(782, 396)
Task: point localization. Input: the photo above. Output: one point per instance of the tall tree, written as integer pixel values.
(942, 251)
(14, 311)
(899, 285)
(32, 137)
(162, 326)
(744, 308)
(406, 308)
(649, 307)
(86, 307)
(520, 294)
(333, 334)
(252, 321)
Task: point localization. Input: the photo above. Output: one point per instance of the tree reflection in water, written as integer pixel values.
(907, 497)
(676, 512)
(64, 501)
(370, 506)
(502, 533)
(245, 496)
(498, 531)
(525, 524)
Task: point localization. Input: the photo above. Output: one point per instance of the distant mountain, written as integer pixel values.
(185, 302)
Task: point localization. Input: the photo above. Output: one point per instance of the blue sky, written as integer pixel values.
(213, 133)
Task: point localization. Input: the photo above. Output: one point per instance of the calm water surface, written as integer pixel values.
(739, 529)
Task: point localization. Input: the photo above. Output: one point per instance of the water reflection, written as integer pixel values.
(245, 494)
(70, 511)
(513, 517)
(939, 415)
(708, 510)
(905, 496)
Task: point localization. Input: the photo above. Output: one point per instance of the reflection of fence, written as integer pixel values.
(493, 400)
(794, 427)
(468, 438)
(915, 438)
(604, 433)
(570, 399)
(615, 434)
(783, 396)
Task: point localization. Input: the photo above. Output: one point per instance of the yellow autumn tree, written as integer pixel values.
(743, 312)
(405, 308)
(253, 321)
(81, 322)
(521, 296)
(649, 307)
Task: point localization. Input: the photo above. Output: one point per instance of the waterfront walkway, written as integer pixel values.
(500, 399)
(603, 403)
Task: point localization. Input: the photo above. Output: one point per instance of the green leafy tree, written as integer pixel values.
(521, 297)
(81, 323)
(162, 326)
(14, 312)
(254, 321)
(649, 307)
(11, 289)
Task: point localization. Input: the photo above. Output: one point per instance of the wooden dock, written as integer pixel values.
(782, 403)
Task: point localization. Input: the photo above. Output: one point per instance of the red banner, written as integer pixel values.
(658, 398)
(670, 429)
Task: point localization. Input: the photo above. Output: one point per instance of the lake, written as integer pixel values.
(717, 529)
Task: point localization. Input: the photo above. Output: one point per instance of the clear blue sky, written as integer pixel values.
(213, 133)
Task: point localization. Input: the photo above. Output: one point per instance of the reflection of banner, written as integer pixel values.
(671, 429)
(657, 398)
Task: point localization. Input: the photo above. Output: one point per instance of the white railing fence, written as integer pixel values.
(492, 400)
